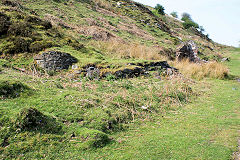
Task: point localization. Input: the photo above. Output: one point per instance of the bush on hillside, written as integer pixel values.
(188, 24)
(16, 45)
(174, 14)
(160, 9)
(38, 21)
(186, 16)
(20, 29)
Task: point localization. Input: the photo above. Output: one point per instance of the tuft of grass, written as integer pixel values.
(200, 71)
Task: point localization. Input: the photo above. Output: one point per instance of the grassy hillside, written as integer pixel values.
(186, 113)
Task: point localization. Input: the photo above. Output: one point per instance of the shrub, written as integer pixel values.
(186, 16)
(188, 24)
(174, 14)
(20, 29)
(160, 9)
(4, 63)
(38, 21)
(75, 44)
(11, 3)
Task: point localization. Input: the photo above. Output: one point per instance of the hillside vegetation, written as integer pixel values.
(121, 81)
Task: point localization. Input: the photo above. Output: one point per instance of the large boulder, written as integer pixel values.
(55, 60)
(188, 50)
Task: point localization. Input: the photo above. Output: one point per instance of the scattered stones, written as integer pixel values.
(144, 68)
(55, 60)
(188, 50)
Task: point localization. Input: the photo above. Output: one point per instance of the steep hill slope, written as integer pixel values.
(98, 32)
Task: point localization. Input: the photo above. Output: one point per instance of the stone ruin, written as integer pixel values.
(55, 60)
(188, 50)
(93, 73)
(143, 69)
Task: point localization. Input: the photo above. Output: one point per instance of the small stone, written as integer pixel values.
(225, 59)
(74, 66)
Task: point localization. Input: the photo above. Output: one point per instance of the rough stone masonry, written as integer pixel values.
(55, 60)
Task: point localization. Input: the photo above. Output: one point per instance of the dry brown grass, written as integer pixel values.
(118, 49)
(200, 71)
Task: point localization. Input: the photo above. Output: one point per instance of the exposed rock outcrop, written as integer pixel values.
(188, 50)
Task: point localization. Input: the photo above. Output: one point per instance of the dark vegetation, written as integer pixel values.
(188, 22)
(160, 9)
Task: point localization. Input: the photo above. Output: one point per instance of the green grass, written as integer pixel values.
(108, 114)
(59, 117)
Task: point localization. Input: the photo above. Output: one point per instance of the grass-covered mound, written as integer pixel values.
(33, 120)
(12, 89)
